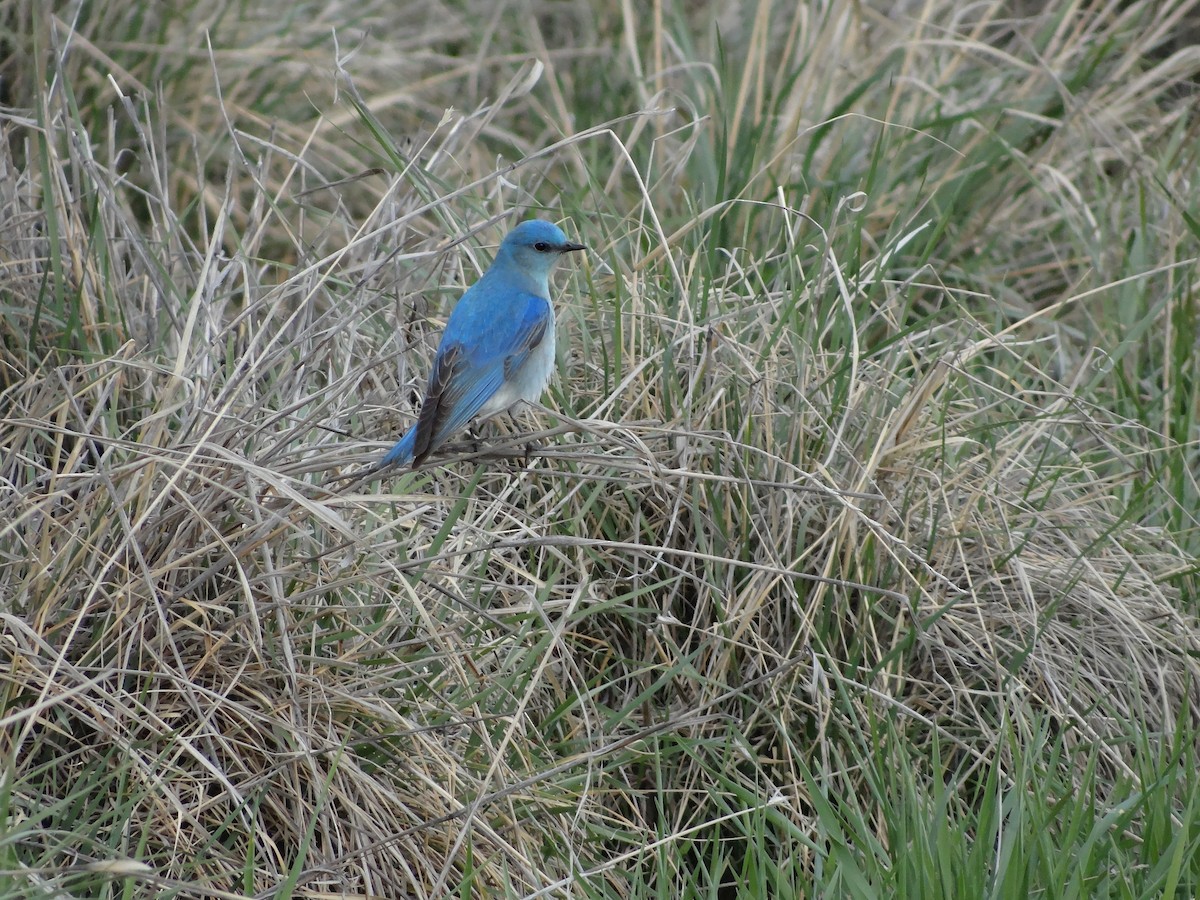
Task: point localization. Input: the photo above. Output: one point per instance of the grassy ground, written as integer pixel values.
(858, 554)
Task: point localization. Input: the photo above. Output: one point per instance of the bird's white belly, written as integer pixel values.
(528, 382)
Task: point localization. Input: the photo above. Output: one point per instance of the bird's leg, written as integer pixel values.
(531, 446)
(515, 427)
(475, 434)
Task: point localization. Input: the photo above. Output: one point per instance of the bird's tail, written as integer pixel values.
(402, 453)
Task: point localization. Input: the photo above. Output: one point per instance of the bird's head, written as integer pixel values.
(534, 247)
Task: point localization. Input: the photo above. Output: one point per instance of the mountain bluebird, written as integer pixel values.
(498, 347)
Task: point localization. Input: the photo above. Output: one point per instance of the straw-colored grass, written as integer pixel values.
(852, 552)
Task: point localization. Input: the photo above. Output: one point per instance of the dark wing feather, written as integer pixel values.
(529, 340)
(433, 411)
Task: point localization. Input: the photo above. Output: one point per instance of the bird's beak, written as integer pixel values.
(568, 247)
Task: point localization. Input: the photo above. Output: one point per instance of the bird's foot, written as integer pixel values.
(531, 447)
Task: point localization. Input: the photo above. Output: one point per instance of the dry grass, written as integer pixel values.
(877, 458)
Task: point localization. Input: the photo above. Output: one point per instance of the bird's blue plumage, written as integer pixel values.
(498, 346)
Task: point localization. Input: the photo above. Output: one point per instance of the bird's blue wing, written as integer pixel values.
(484, 343)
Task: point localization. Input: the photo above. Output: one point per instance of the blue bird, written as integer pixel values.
(498, 346)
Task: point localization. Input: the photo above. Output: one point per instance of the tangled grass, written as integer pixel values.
(853, 551)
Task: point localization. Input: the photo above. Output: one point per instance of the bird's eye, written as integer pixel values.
(541, 247)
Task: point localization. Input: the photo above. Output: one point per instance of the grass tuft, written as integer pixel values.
(856, 552)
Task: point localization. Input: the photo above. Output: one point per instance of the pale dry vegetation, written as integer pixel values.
(853, 553)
